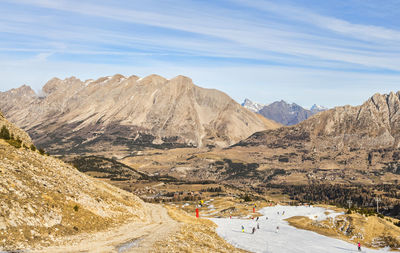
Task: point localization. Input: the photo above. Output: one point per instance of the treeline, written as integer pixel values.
(355, 196)
(212, 189)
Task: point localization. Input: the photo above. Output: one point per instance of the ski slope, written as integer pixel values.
(288, 239)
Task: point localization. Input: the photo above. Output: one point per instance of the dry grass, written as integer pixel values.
(43, 199)
(370, 231)
(195, 235)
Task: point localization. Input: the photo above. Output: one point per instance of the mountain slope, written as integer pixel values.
(42, 198)
(128, 113)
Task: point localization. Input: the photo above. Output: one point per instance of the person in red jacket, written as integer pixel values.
(359, 246)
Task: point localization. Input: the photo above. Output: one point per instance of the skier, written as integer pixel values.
(359, 246)
(283, 213)
(257, 219)
(254, 230)
(277, 213)
(277, 229)
(266, 218)
(242, 229)
(258, 225)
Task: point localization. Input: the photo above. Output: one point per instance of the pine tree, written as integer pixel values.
(5, 133)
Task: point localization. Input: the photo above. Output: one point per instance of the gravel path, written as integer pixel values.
(131, 237)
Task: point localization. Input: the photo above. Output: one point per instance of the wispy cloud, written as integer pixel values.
(192, 34)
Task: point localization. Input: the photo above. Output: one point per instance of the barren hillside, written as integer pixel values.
(43, 199)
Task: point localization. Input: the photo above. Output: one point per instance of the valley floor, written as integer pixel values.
(130, 237)
(287, 239)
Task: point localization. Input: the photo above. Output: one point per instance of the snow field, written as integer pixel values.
(287, 239)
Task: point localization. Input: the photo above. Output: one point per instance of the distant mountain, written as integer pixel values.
(252, 106)
(372, 125)
(118, 113)
(283, 112)
(318, 108)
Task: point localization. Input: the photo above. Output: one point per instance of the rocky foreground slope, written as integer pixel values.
(128, 113)
(42, 198)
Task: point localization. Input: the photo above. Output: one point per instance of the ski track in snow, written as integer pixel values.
(288, 239)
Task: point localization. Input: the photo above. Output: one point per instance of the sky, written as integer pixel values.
(305, 51)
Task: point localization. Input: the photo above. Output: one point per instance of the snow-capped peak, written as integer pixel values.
(318, 108)
(252, 106)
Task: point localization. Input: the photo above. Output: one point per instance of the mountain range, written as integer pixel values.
(344, 145)
(128, 113)
(118, 115)
(283, 112)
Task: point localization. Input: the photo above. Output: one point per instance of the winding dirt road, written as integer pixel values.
(131, 237)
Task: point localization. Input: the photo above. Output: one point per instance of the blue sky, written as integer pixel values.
(326, 52)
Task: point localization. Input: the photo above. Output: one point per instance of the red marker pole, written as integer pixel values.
(197, 213)
(254, 209)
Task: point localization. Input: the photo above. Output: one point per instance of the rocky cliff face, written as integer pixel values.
(42, 198)
(128, 113)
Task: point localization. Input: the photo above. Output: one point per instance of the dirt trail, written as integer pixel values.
(131, 237)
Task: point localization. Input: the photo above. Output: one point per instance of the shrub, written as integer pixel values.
(41, 151)
(76, 208)
(5, 133)
(33, 148)
(246, 198)
(348, 211)
(397, 223)
(15, 143)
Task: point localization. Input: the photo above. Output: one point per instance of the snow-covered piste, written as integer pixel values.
(286, 239)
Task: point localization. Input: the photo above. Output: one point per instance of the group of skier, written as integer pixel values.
(253, 230)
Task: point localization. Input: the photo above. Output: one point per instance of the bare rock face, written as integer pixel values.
(128, 113)
(374, 124)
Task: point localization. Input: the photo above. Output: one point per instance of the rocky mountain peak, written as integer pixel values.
(24, 90)
(252, 106)
(152, 79)
(182, 79)
(318, 108)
